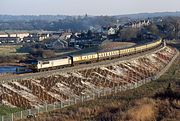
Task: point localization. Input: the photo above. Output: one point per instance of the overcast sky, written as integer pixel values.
(81, 7)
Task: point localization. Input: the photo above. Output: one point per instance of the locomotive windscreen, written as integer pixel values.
(31, 62)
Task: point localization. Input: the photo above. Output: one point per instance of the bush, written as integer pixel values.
(42, 53)
(12, 59)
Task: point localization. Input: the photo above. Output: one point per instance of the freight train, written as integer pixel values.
(71, 60)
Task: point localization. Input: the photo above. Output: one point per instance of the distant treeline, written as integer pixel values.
(167, 27)
(54, 23)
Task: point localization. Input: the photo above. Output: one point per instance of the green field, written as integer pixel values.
(4, 110)
(8, 50)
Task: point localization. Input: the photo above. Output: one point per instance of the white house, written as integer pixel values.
(3, 34)
(111, 31)
(22, 35)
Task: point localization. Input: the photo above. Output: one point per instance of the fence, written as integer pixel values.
(83, 98)
(71, 101)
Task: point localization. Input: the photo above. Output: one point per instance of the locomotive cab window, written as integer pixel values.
(45, 62)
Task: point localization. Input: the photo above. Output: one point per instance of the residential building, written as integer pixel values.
(112, 31)
(3, 34)
(9, 40)
(66, 35)
(22, 35)
(137, 24)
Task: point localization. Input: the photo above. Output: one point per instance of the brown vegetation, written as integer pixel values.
(144, 110)
(115, 109)
(12, 59)
(141, 104)
(42, 53)
(152, 111)
(115, 45)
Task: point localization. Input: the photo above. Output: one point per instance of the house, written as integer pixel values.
(112, 31)
(21, 35)
(43, 36)
(3, 34)
(13, 36)
(31, 39)
(137, 24)
(57, 44)
(56, 34)
(105, 30)
(9, 40)
(66, 35)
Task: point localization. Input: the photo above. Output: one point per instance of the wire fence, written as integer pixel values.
(71, 101)
(75, 100)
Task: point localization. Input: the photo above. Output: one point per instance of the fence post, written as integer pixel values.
(124, 88)
(119, 89)
(131, 86)
(69, 103)
(29, 111)
(12, 117)
(135, 84)
(82, 99)
(115, 90)
(61, 104)
(21, 114)
(75, 100)
(128, 86)
(54, 106)
(2, 118)
(110, 91)
(38, 109)
(46, 107)
(104, 92)
(93, 96)
(98, 94)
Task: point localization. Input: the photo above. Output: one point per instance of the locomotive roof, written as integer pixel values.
(54, 58)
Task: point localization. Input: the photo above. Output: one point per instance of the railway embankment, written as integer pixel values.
(71, 87)
(14, 77)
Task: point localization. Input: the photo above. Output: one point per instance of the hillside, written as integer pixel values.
(149, 15)
(135, 105)
(157, 100)
(58, 22)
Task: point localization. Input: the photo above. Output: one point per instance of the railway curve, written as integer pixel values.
(85, 82)
(19, 77)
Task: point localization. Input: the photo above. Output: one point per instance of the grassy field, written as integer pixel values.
(7, 50)
(4, 110)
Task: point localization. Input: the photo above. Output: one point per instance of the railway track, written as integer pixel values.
(11, 78)
(86, 81)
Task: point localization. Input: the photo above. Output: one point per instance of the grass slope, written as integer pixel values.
(4, 110)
